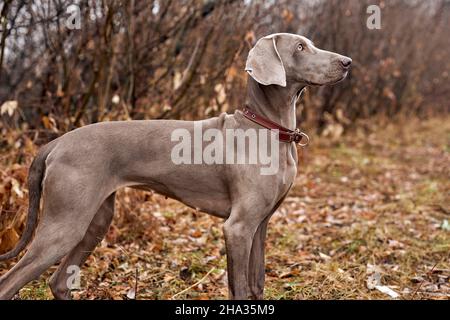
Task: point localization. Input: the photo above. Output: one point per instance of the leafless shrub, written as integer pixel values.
(184, 59)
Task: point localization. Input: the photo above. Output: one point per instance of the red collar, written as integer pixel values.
(284, 134)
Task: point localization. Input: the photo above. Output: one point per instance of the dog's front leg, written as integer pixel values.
(239, 231)
(257, 264)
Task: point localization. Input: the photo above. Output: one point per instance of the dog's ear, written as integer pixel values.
(264, 63)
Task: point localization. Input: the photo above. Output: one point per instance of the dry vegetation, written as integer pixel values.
(147, 59)
(371, 202)
(372, 206)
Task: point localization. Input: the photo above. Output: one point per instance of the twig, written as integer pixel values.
(136, 279)
(421, 283)
(189, 66)
(5, 32)
(194, 285)
(123, 250)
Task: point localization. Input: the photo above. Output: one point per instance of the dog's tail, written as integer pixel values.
(35, 176)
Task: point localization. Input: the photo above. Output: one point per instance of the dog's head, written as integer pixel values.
(283, 58)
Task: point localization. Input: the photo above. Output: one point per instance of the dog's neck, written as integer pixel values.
(274, 102)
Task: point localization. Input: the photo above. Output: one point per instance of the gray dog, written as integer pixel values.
(79, 173)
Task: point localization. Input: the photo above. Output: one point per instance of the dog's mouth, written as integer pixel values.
(334, 76)
(330, 83)
(310, 83)
(344, 75)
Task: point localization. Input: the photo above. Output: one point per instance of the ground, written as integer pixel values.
(369, 212)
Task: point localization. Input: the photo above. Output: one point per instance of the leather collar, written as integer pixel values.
(284, 134)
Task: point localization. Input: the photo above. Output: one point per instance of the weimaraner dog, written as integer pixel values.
(78, 174)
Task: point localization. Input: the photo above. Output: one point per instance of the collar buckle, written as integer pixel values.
(298, 136)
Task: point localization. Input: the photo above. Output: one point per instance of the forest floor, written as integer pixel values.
(368, 218)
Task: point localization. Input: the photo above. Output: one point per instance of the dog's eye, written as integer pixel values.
(300, 47)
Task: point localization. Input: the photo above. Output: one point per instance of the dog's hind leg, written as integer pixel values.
(65, 220)
(94, 235)
(52, 242)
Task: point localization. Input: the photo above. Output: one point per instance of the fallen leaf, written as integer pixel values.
(445, 225)
(131, 294)
(16, 187)
(8, 107)
(373, 280)
(388, 291)
(324, 256)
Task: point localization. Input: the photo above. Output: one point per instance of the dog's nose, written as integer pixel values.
(346, 62)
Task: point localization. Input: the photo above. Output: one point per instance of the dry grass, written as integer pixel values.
(373, 204)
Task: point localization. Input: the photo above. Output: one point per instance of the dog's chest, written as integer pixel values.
(289, 167)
